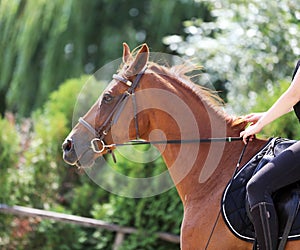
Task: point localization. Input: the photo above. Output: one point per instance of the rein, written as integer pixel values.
(201, 140)
(237, 167)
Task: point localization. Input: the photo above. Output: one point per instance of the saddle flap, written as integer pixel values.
(235, 203)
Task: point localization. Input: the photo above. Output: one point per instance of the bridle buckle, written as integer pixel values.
(95, 145)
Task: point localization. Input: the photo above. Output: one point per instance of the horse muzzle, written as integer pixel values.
(69, 152)
(84, 156)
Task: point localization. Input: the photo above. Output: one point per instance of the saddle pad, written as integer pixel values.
(234, 204)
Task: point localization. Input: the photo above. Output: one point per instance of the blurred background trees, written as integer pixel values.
(247, 45)
(48, 51)
(249, 50)
(44, 43)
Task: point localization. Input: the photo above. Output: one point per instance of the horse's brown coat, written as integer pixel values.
(200, 185)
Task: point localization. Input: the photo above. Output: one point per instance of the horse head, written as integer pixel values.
(92, 136)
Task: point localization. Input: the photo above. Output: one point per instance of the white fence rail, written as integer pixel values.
(83, 221)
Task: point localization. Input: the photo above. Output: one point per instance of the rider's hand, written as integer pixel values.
(250, 132)
(253, 117)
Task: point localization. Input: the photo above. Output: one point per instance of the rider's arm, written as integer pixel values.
(282, 106)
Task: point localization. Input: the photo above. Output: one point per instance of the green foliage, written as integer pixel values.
(159, 213)
(44, 43)
(9, 145)
(43, 161)
(9, 152)
(149, 215)
(64, 99)
(84, 196)
(244, 48)
(42, 167)
(47, 235)
(34, 37)
(36, 180)
(286, 126)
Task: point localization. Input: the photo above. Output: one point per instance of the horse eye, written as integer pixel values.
(107, 98)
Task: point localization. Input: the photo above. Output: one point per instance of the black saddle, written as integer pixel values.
(235, 207)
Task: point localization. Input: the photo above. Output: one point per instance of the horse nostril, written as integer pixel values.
(67, 145)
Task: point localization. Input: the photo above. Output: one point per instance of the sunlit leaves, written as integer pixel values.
(245, 47)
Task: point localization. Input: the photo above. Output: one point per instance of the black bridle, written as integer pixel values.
(115, 114)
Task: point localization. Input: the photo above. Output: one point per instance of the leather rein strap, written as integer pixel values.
(201, 140)
(237, 167)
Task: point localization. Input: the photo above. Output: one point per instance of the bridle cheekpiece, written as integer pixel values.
(115, 114)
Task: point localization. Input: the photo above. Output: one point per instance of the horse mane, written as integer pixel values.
(183, 75)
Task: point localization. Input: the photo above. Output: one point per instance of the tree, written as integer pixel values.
(246, 48)
(43, 43)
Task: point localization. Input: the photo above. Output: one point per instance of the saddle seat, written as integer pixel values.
(234, 204)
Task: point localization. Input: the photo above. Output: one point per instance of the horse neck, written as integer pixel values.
(196, 168)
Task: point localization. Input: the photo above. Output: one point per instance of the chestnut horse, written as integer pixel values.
(168, 106)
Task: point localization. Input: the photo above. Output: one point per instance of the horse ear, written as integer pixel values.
(139, 62)
(126, 53)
